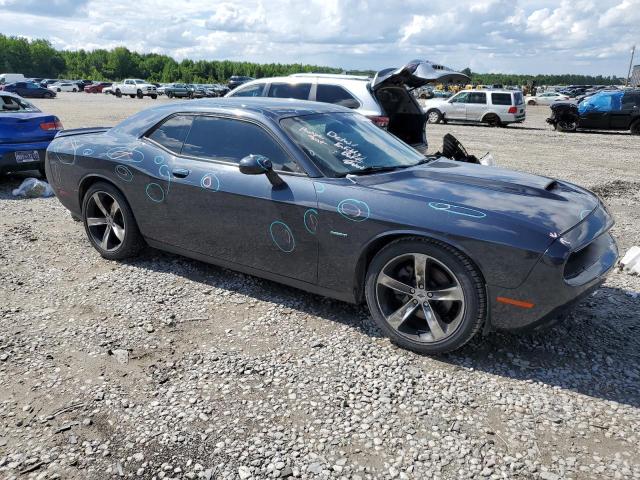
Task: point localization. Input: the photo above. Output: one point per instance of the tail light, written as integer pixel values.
(55, 125)
(512, 110)
(382, 122)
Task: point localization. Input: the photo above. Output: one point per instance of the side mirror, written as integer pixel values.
(259, 164)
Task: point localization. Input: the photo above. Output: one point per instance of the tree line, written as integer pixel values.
(38, 58)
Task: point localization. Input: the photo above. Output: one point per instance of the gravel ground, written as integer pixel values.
(164, 367)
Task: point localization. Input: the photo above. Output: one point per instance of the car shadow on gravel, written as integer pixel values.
(595, 351)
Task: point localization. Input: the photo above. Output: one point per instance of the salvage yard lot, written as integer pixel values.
(226, 375)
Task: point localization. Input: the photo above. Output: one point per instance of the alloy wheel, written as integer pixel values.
(420, 298)
(433, 117)
(105, 221)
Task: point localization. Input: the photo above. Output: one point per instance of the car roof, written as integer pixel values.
(248, 107)
(492, 90)
(337, 76)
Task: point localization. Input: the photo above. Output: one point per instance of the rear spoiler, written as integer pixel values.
(81, 131)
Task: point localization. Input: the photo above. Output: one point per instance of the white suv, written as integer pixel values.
(493, 107)
(386, 99)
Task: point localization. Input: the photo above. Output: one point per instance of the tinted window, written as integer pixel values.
(250, 91)
(517, 96)
(336, 95)
(477, 97)
(299, 91)
(172, 133)
(630, 100)
(232, 140)
(501, 98)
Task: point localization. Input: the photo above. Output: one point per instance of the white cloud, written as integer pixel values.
(528, 36)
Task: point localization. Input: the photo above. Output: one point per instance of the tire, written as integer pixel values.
(566, 125)
(169, 94)
(434, 116)
(58, 90)
(190, 95)
(75, 90)
(118, 93)
(635, 127)
(116, 247)
(455, 321)
(531, 102)
(139, 94)
(154, 96)
(132, 96)
(47, 95)
(492, 120)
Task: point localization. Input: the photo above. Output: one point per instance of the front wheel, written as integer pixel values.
(531, 102)
(132, 96)
(492, 120)
(434, 116)
(425, 296)
(118, 93)
(635, 128)
(109, 222)
(566, 125)
(75, 90)
(48, 95)
(153, 97)
(139, 94)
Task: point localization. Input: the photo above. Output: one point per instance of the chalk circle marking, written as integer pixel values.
(319, 187)
(125, 154)
(155, 192)
(158, 159)
(456, 210)
(311, 221)
(282, 236)
(354, 210)
(124, 173)
(210, 181)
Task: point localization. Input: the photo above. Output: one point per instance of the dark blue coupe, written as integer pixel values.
(317, 197)
(25, 134)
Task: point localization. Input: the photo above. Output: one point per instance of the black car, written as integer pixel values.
(316, 196)
(236, 81)
(29, 90)
(605, 110)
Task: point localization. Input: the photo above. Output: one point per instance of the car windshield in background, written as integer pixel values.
(13, 104)
(348, 143)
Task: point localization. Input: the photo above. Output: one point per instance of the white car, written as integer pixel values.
(492, 107)
(63, 87)
(134, 87)
(546, 98)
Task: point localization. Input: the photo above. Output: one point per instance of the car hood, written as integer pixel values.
(550, 206)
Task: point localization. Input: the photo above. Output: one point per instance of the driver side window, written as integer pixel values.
(250, 91)
(231, 140)
(460, 98)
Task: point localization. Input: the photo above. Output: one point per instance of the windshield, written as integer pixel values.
(13, 104)
(347, 143)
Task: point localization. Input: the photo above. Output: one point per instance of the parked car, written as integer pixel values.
(82, 84)
(606, 110)
(25, 134)
(546, 98)
(134, 87)
(63, 87)
(218, 90)
(97, 87)
(237, 80)
(385, 100)
(317, 197)
(29, 90)
(178, 90)
(197, 91)
(108, 90)
(493, 107)
(7, 78)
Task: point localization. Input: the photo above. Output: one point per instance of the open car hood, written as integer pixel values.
(417, 73)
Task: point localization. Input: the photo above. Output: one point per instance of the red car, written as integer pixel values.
(97, 87)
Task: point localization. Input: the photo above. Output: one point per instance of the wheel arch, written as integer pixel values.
(92, 178)
(382, 240)
(488, 114)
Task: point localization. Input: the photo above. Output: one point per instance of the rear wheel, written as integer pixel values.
(434, 116)
(139, 94)
(635, 128)
(566, 125)
(425, 296)
(169, 94)
(132, 95)
(118, 93)
(531, 102)
(109, 222)
(47, 95)
(75, 90)
(492, 120)
(154, 96)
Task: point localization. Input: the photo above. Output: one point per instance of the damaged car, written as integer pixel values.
(317, 197)
(606, 110)
(386, 99)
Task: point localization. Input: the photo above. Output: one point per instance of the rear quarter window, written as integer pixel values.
(477, 97)
(172, 133)
(254, 90)
(336, 95)
(501, 98)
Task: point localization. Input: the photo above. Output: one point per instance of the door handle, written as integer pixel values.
(180, 172)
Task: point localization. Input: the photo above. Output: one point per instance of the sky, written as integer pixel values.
(506, 36)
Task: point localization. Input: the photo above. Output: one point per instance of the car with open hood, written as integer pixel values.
(25, 134)
(317, 197)
(386, 99)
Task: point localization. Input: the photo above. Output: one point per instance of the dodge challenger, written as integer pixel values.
(317, 197)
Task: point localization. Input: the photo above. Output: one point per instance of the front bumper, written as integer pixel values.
(8, 161)
(572, 267)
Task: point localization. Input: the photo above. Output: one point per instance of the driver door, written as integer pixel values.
(213, 209)
(458, 107)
